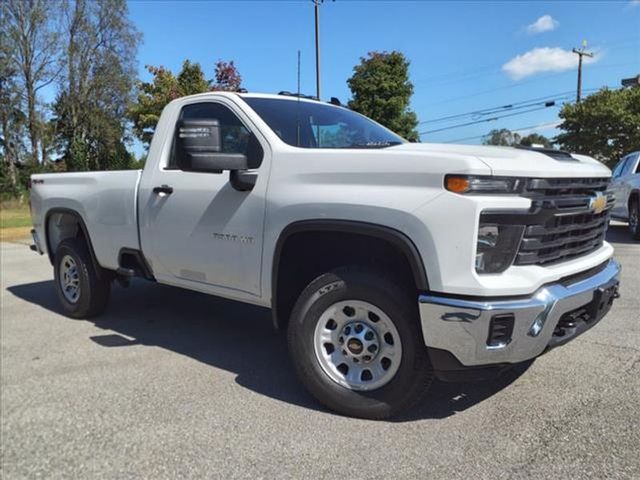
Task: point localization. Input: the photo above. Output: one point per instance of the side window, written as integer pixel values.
(638, 164)
(234, 136)
(618, 170)
(631, 161)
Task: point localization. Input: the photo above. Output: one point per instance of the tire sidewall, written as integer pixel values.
(635, 232)
(329, 289)
(77, 251)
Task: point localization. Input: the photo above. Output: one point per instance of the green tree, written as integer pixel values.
(12, 125)
(502, 137)
(164, 87)
(605, 125)
(99, 61)
(191, 79)
(152, 98)
(30, 50)
(382, 91)
(535, 139)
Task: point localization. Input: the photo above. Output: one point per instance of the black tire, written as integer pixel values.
(634, 218)
(94, 290)
(414, 375)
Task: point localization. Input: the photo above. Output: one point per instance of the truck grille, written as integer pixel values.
(562, 223)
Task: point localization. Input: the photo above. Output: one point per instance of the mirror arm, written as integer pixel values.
(243, 180)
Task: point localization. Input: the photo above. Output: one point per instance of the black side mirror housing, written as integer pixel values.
(199, 148)
(217, 162)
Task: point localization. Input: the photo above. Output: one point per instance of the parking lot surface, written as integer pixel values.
(170, 383)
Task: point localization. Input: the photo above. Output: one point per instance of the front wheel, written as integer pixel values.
(83, 293)
(355, 342)
(634, 218)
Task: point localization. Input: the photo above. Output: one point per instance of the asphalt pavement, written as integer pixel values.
(170, 383)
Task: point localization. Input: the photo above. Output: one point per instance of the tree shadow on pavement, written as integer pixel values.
(235, 337)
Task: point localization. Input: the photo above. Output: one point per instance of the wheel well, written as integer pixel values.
(635, 195)
(305, 255)
(61, 224)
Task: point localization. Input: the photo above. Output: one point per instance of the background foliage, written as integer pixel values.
(506, 138)
(382, 91)
(605, 125)
(165, 87)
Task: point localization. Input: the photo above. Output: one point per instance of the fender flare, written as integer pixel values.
(395, 237)
(85, 231)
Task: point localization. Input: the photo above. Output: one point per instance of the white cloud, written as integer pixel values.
(635, 3)
(545, 59)
(545, 23)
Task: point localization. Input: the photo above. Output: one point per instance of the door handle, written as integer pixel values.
(166, 189)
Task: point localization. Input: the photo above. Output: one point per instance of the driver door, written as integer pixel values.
(196, 229)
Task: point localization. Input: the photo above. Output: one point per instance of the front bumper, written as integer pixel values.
(528, 326)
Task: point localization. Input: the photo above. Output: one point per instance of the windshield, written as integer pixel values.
(318, 125)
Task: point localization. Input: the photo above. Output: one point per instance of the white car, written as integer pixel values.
(388, 262)
(625, 185)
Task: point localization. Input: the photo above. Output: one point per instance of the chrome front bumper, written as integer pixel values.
(461, 327)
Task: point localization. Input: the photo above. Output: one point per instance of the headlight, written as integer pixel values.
(479, 184)
(497, 247)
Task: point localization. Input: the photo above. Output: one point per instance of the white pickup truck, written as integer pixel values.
(389, 263)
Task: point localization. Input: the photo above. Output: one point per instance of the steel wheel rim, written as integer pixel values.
(69, 279)
(354, 337)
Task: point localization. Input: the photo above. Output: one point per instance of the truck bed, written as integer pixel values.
(106, 201)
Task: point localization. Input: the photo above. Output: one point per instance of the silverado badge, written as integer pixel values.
(598, 203)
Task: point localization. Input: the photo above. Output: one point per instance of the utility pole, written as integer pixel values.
(581, 53)
(316, 4)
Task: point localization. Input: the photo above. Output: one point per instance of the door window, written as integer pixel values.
(234, 136)
(631, 161)
(618, 170)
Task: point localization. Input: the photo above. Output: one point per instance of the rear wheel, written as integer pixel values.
(634, 218)
(82, 292)
(355, 342)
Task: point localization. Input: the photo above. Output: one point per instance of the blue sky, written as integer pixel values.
(465, 56)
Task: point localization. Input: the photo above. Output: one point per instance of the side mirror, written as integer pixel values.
(198, 147)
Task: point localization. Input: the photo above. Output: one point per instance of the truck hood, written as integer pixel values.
(509, 161)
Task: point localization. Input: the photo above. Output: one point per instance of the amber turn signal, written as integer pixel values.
(457, 184)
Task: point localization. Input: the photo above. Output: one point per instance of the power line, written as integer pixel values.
(547, 104)
(520, 84)
(484, 120)
(492, 119)
(519, 129)
(512, 106)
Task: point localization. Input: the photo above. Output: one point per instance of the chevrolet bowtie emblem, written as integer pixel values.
(598, 203)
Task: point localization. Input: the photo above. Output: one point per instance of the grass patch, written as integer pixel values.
(15, 220)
